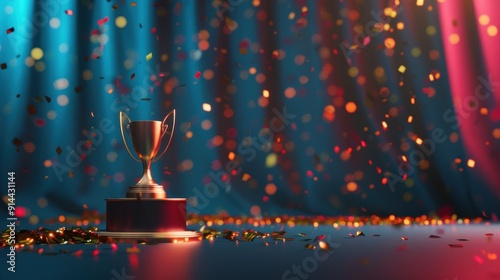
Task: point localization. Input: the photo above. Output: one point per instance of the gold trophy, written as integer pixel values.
(146, 213)
(146, 137)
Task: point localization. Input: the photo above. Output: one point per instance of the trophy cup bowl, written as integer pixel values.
(146, 212)
(146, 138)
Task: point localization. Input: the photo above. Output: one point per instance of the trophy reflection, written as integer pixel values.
(146, 138)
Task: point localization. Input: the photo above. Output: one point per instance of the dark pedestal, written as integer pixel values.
(145, 215)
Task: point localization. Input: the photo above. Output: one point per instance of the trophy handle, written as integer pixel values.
(125, 122)
(165, 130)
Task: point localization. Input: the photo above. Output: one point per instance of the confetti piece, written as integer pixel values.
(402, 69)
(78, 89)
(153, 30)
(491, 256)
(478, 259)
(250, 235)
(302, 234)
(458, 245)
(58, 150)
(320, 237)
(434, 236)
(149, 56)
(31, 109)
(230, 235)
(316, 158)
(366, 40)
(114, 7)
(375, 235)
(462, 239)
(133, 4)
(17, 142)
(10, 30)
(404, 238)
(310, 246)
(69, 12)
(360, 233)
(278, 234)
(3, 66)
(197, 75)
(488, 234)
(471, 163)
(48, 99)
(132, 76)
(146, 99)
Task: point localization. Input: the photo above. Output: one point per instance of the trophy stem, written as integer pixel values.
(146, 187)
(146, 179)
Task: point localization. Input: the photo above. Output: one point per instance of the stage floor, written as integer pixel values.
(453, 252)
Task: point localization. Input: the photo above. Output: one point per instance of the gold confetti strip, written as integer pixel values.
(47, 236)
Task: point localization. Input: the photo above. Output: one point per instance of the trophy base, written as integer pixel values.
(149, 237)
(146, 191)
(145, 215)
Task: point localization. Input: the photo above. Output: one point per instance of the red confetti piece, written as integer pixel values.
(17, 142)
(10, 30)
(95, 253)
(31, 109)
(197, 75)
(489, 234)
(69, 12)
(478, 259)
(78, 253)
(39, 122)
(4, 66)
(404, 238)
(320, 237)
(434, 236)
(153, 30)
(456, 245)
(366, 41)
